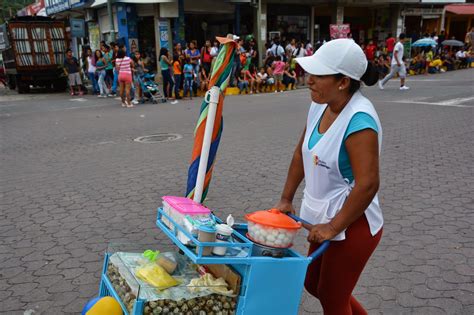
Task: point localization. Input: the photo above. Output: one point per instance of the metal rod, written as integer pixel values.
(206, 145)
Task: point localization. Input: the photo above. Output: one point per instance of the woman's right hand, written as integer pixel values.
(285, 206)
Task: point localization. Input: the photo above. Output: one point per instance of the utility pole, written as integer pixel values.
(111, 21)
(259, 33)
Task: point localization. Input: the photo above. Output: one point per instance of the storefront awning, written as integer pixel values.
(461, 9)
(98, 3)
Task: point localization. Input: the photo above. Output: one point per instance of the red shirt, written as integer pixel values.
(370, 52)
(390, 43)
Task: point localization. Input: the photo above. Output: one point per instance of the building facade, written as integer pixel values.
(148, 25)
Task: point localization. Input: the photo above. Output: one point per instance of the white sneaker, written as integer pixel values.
(101, 95)
(135, 102)
(380, 85)
(403, 88)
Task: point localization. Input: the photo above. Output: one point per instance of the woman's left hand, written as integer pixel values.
(321, 232)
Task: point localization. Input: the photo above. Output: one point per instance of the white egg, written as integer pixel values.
(271, 238)
(278, 242)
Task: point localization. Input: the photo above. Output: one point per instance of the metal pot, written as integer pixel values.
(262, 250)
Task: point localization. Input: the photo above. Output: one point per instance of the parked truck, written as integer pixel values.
(33, 50)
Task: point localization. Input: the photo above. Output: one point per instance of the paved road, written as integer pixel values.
(73, 180)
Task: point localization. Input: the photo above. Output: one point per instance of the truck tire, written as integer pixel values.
(23, 87)
(11, 82)
(59, 85)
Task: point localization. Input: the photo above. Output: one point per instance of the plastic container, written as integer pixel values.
(223, 235)
(179, 207)
(272, 228)
(206, 234)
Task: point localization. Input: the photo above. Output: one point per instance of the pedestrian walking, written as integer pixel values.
(71, 67)
(398, 65)
(338, 157)
(124, 66)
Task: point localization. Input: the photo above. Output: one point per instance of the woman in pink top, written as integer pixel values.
(278, 67)
(124, 65)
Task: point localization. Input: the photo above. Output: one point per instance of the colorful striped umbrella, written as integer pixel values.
(204, 150)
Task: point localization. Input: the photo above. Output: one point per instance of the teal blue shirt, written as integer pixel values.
(359, 121)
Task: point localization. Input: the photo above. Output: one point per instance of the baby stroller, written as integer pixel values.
(151, 90)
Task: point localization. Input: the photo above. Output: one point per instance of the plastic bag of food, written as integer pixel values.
(156, 276)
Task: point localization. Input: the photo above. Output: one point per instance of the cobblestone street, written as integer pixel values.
(72, 181)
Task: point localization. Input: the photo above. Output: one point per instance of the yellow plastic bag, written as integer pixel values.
(156, 276)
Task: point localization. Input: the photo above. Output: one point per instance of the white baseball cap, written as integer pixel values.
(336, 56)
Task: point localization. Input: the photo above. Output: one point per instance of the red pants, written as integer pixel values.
(333, 276)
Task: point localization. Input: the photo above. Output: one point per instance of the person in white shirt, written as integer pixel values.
(215, 49)
(261, 79)
(299, 52)
(290, 48)
(398, 66)
(277, 49)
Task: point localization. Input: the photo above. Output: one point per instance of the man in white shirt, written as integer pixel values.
(277, 49)
(398, 66)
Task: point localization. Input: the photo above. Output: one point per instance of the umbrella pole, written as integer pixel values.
(206, 145)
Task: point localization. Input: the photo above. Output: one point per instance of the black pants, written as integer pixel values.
(168, 83)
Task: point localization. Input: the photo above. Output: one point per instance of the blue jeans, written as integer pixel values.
(243, 85)
(92, 79)
(177, 84)
(188, 85)
(167, 83)
(101, 83)
(114, 84)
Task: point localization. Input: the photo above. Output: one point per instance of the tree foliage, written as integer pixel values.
(11, 6)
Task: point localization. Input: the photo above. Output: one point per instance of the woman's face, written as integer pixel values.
(97, 54)
(324, 88)
(137, 55)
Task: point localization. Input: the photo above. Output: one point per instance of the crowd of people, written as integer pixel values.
(186, 70)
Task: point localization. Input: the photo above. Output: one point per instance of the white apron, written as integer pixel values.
(326, 190)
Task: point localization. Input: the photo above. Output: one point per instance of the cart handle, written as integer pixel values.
(321, 249)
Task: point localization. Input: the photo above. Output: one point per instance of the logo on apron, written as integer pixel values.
(318, 162)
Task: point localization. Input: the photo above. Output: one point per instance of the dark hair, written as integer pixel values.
(100, 53)
(163, 51)
(68, 50)
(120, 54)
(370, 77)
(402, 36)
